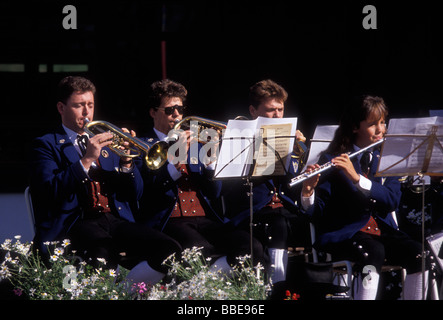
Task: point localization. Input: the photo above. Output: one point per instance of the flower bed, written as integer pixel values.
(67, 277)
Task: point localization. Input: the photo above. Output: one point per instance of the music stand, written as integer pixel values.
(244, 153)
(413, 148)
(250, 145)
(320, 141)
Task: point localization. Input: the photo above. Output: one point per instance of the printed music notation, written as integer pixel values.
(249, 147)
(424, 148)
(274, 150)
(412, 146)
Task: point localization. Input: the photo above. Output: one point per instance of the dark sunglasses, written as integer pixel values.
(170, 110)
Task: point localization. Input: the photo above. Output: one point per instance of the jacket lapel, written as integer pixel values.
(374, 165)
(65, 146)
(357, 166)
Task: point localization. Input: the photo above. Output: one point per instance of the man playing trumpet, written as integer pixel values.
(181, 198)
(82, 191)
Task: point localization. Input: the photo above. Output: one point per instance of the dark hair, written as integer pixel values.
(68, 85)
(266, 89)
(359, 109)
(166, 89)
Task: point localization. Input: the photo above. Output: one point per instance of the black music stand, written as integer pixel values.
(419, 159)
(249, 156)
(249, 182)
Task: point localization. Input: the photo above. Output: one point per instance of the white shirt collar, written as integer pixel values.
(71, 134)
(73, 137)
(356, 148)
(161, 136)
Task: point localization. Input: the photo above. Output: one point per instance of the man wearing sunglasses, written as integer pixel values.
(166, 115)
(181, 198)
(83, 192)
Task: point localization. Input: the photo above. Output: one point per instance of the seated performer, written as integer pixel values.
(82, 191)
(275, 218)
(181, 198)
(352, 209)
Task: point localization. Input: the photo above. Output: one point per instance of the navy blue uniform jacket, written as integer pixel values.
(161, 191)
(236, 194)
(59, 185)
(341, 210)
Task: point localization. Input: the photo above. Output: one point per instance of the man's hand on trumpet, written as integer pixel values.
(299, 136)
(94, 146)
(178, 152)
(126, 162)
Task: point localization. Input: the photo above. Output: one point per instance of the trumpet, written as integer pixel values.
(157, 155)
(203, 124)
(186, 124)
(301, 153)
(306, 175)
(153, 155)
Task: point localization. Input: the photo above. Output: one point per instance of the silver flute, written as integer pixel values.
(306, 175)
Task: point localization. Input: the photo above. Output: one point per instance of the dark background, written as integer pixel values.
(318, 51)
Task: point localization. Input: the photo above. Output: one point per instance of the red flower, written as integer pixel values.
(294, 296)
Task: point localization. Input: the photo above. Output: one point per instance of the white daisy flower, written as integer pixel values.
(59, 251)
(65, 243)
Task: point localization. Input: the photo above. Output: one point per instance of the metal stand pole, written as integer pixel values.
(251, 218)
(423, 252)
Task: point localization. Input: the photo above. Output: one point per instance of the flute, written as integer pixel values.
(306, 175)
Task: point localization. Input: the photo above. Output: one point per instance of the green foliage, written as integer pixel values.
(67, 277)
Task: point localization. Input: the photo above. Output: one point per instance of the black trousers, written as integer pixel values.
(394, 246)
(278, 228)
(216, 238)
(106, 236)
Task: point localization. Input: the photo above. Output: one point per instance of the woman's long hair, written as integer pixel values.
(360, 109)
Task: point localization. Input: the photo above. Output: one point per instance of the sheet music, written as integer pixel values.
(242, 140)
(321, 139)
(400, 155)
(235, 157)
(417, 158)
(266, 161)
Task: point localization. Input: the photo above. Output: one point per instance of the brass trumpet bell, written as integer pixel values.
(157, 155)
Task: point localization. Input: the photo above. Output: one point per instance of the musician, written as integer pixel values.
(277, 224)
(82, 191)
(352, 208)
(181, 198)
